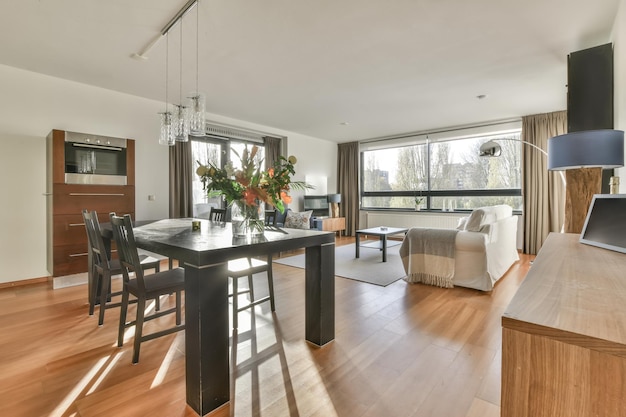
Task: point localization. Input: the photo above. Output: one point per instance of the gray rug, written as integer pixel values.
(368, 268)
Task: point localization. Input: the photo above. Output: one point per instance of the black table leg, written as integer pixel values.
(206, 337)
(358, 244)
(384, 239)
(320, 294)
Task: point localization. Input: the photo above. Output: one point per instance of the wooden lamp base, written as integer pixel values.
(582, 184)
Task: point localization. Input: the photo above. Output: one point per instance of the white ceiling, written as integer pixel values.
(383, 66)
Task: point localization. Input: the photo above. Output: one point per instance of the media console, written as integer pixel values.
(564, 334)
(330, 224)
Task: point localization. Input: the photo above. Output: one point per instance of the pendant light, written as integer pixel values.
(181, 114)
(198, 104)
(166, 136)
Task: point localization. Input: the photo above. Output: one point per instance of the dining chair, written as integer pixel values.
(246, 267)
(270, 217)
(143, 287)
(217, 215)
(102, 267)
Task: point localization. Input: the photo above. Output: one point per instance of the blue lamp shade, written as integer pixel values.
(334, 198)
(586, 149)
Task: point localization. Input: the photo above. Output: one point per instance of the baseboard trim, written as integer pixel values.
(24, 282)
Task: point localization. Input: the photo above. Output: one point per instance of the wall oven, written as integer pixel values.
(95, 160)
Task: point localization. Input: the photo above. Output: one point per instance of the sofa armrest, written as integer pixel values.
(471, 241)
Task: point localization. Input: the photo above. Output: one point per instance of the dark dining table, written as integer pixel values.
(204, 254)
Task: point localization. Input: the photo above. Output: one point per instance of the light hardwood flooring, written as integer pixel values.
(400, 350)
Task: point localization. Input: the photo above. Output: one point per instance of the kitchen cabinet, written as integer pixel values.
(66, 235)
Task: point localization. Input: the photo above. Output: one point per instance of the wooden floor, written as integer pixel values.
(400, 350)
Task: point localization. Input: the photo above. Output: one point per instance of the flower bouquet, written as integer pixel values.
(247, 189)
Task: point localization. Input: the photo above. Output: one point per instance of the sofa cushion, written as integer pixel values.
(296, 220)
(487, 215)
(462, 223)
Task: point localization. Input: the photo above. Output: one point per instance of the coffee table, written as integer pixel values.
(382, 244)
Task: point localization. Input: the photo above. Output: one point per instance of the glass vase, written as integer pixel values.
(247, 220)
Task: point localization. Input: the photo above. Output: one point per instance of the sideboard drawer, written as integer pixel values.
(70, 259)
(72, 199)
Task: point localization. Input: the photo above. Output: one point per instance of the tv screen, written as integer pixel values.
(317, 203)
(605, 225)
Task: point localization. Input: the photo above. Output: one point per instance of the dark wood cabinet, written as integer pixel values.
(67, 239)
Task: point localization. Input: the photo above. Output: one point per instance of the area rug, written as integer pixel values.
(368, 268)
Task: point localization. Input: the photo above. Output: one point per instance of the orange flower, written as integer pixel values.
(270, 172)
(249, 197)
(285, 197)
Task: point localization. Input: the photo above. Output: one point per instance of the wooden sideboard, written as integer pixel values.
(331, 224)
(564, 334)
(66, 235)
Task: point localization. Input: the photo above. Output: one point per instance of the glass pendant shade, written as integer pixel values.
(167, 134)
(181, 123)
(197, 116)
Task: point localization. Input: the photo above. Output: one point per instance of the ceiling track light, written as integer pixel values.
(177, 17)
(188, 118)
(197, 118)
(166, 136)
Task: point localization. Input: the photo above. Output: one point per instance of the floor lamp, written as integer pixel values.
(584, 154)
(493, 149)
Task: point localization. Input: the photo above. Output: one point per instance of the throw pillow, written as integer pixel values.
(475, 220)
(296, 220)
(462, 223)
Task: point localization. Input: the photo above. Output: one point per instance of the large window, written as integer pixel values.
(442, 175)
(216, 152)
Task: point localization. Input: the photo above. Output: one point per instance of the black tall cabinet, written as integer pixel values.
(590, 93)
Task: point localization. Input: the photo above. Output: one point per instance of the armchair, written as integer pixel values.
(484, 249)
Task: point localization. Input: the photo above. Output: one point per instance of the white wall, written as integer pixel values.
(32, 105)
(619, 55)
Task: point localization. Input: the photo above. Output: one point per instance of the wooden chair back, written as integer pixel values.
(127, 249)
(217, 215)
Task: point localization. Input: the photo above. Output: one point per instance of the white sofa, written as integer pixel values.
(485, 247)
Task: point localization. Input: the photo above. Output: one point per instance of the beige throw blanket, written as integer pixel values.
(428, 256)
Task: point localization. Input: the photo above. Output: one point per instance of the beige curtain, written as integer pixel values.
(272, 150)
(181, 170)
(348, 184)
(544, 191)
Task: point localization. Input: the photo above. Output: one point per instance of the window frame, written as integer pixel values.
(225, 150)
(428, 194)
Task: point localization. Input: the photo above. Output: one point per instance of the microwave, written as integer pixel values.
(94, 160)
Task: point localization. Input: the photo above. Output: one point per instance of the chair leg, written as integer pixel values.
(94, 284)
(235, 303)
(251, 287)
(141, 306)
(178, 308)
(123, 312)
(157, 301)
(105, 289)
(270, 284)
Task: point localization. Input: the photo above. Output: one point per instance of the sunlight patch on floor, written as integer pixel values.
(69, 399)
(165, 365)
(108, 369)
